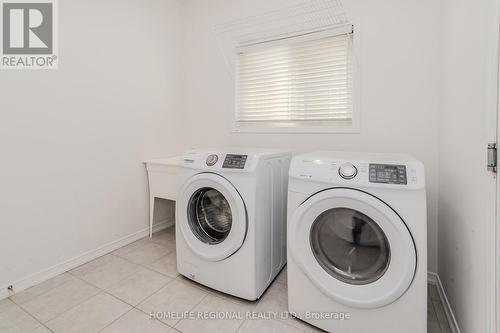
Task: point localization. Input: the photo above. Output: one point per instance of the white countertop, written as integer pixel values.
(169, 161)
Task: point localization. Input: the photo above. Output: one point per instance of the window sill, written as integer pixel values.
(296, 130)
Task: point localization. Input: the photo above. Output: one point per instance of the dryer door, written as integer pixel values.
(212, 217)
(353, 247)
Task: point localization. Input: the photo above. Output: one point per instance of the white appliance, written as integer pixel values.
(231, 218)
(357, 242)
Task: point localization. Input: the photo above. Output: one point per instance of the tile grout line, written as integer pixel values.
(134, 307)
(118, 281)
(111, 323)
(146, 267)
(192, 308)
(170, 279)
(31, 315)
(44, 323)
(101, 290)
(41, 325)
(153, 293)
(239, 327)
(83, 301)
(147, 314)
(79, 278)
(141, 301)
(172, 327)
(45, 292)
(143, 265)
(118, 299)
(90, 283)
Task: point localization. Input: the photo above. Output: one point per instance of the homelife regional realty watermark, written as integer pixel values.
(29, 38)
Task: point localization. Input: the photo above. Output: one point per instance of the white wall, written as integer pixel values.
(464, 184)
(72, 140)
(120, 97)
(400, 85)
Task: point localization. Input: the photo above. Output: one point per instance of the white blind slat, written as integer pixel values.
(301, 84)
(302, 71)
(306, 82)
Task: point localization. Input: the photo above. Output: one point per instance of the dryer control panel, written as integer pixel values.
(364, 169)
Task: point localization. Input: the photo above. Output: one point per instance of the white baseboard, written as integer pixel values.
(63, 267)
(434, 279)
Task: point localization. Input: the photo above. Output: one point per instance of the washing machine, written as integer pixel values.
(231, 218)
(357, 242)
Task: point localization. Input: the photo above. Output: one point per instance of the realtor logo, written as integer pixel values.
(28, 34)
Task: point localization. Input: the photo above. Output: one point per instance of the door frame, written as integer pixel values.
(493, 105)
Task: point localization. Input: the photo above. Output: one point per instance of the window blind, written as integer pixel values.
(297, 82)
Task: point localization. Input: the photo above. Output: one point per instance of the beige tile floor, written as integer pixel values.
(117, 292)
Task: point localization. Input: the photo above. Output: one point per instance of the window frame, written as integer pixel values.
(352, 127)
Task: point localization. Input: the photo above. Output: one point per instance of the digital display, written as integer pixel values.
(388, 174)
(235, 162)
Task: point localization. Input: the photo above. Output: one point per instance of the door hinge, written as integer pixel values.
(492, 157)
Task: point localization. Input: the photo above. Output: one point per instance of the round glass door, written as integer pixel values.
(210, 217)
(350, 246)
(353, 247)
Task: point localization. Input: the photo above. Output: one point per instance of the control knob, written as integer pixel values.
(212, 159)
(348, 171)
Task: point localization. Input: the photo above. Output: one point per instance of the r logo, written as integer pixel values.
(27, 28)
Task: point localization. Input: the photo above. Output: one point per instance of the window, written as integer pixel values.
(297, 84)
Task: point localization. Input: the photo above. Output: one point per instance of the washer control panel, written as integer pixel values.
(235, 162)
(388, 174)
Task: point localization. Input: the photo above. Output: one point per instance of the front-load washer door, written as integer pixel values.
(353, 247)
(213, 217)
